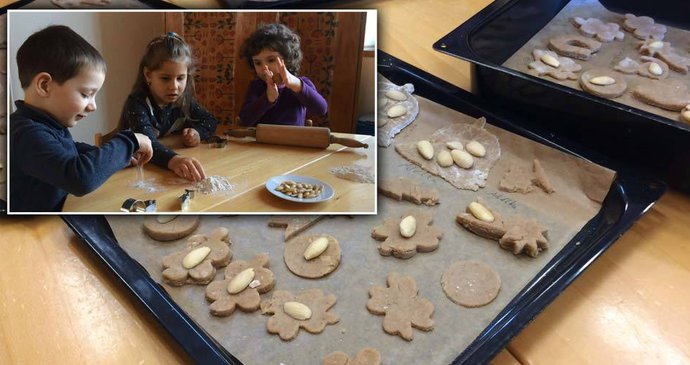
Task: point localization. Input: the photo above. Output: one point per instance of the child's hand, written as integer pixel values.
(187, 167)
(190, 137)
(291, 81)
(271, 87)
(145, 152)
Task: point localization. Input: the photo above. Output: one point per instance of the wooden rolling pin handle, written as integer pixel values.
(349, 142)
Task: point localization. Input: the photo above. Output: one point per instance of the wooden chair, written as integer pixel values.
(101, 138)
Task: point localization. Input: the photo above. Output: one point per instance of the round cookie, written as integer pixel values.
(605, 91)
(177, 228)
(470, 283)
(317, 267)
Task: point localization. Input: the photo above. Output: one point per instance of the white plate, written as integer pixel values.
(275, 181)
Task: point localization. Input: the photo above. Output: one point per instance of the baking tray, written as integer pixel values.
(630, 196)
(490, 37)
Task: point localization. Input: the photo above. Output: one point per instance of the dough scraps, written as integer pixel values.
(175, 274)
(593, 27)
(223, 303)
(317, 267)
(470, 283)
(288, 327)
(294, 225)
(365, 356)
(402, 188)
(471, 179)
(519, 180)
(425, 239)
(402, 306)
(179, 227)
(566, 67)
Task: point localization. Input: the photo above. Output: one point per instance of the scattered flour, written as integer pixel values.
(214, 184)
(354, 173)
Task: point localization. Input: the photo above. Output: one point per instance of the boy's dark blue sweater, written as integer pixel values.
(46, 164)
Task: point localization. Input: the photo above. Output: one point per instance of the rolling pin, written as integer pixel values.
(291, 135)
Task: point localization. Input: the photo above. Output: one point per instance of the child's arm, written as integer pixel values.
(255, 103)
(311, 99)
(137, 117)
(201, 120)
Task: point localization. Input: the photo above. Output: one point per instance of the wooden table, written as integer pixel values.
(59, 305)
(247, 165)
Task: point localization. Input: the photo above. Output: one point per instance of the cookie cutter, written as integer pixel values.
(217, 142)
(185, 199)
(138, 206)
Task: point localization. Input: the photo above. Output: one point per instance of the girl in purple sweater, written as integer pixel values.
(277, 96)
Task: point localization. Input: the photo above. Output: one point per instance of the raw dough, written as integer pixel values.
(317, 267)
(287, 327)
(470, 283)
(667, 54)
(179, 227)
(574, 46)
(667, 95)
(605, 91)
(402, 306)
(223, 303)
(218, 241)
(566, 69)
(403, 188)
(365, 356)
(643, 27)
(516, 180)
(294, 225)
(540, 179)
(425, 239)
(629, 66)
(593, 27)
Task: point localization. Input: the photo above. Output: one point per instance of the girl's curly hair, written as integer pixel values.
(277, 37)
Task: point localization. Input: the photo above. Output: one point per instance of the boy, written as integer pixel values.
(61, 73)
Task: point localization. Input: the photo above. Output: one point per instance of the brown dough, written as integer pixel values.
(667, 54)
(294, 225)
(287, 327)
(667, 95)
(218, 241)
(605, 91)
(223, 303)
(179, 227)
(402, 188)
(574, 46)
(317, 267)
(516, 180)
(643, 27)
(566, 69)
(593, 27)
(365, 356)
(540, 179)
(643, 70)
(470, 283)
(402, 306)
(425, 239)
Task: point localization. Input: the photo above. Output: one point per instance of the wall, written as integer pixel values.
(120, 36)
(366, 85)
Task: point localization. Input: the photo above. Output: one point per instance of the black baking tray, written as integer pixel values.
(630, 196)
(490, 37)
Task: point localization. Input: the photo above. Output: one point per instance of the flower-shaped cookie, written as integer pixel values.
(593, 27)
(666, 53)
(259, 280)
(425, 237)
(563, 68)
(288, 319)
(366, 356)
(401, 305)
(643, 27)
(170, 228)
(197, 264)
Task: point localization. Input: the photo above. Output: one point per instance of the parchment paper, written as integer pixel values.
(361, 267)
(610, 54)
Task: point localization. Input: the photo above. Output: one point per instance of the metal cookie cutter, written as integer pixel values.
(186, 198)
(217, 142)
(138, 206)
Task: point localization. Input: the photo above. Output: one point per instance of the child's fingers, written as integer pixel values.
(199, 169)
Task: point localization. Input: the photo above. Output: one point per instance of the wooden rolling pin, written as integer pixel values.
(291, 135)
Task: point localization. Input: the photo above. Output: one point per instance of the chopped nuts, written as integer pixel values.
(655, 69)
(425, 149)
(396, 111)
(462, 158)
(195, 257)
(454, 145)
(300, 190)
(316, 248)
(476, 149)
(602, 80)
(163, 219)
(444, 159)
(550, 60)
(408, 226)
(297, 310)
(396, 95)
(241, 281)
(480, 212)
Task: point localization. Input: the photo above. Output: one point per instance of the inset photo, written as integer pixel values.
(133, 112)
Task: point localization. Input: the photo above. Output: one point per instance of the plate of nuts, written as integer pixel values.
(301, 189)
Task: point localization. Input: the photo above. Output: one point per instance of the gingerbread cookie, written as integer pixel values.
(643, 27)
(627, 66)
(574, 46)
(667, 95)
(244, 282)
(593, 27)
(603, 83)
(651, 67)
(312, 256)
(402, 306)
(540, 178)
(470, 283)
(294, 225)
(405, 236)
(162, 228)
(308, 310)
(198, 264)
(666, 53)
(550, 64)
(403, 188)
(366, 356)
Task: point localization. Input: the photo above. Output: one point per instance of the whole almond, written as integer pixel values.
(550, 60)
(454, 145)
(425, 149)
(408, 226)
(396, 111)
(480, 212)
(241, 281)
(655, 69)
(657, 44)
(686, 115)
(316, 248)
(476, 149)
(297, 310)
(163, 219)
(396, 95)
(444, 159)
(462, 158)
(602, 80)
(195, 257)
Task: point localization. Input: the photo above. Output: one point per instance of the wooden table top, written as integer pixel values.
(247, 165)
